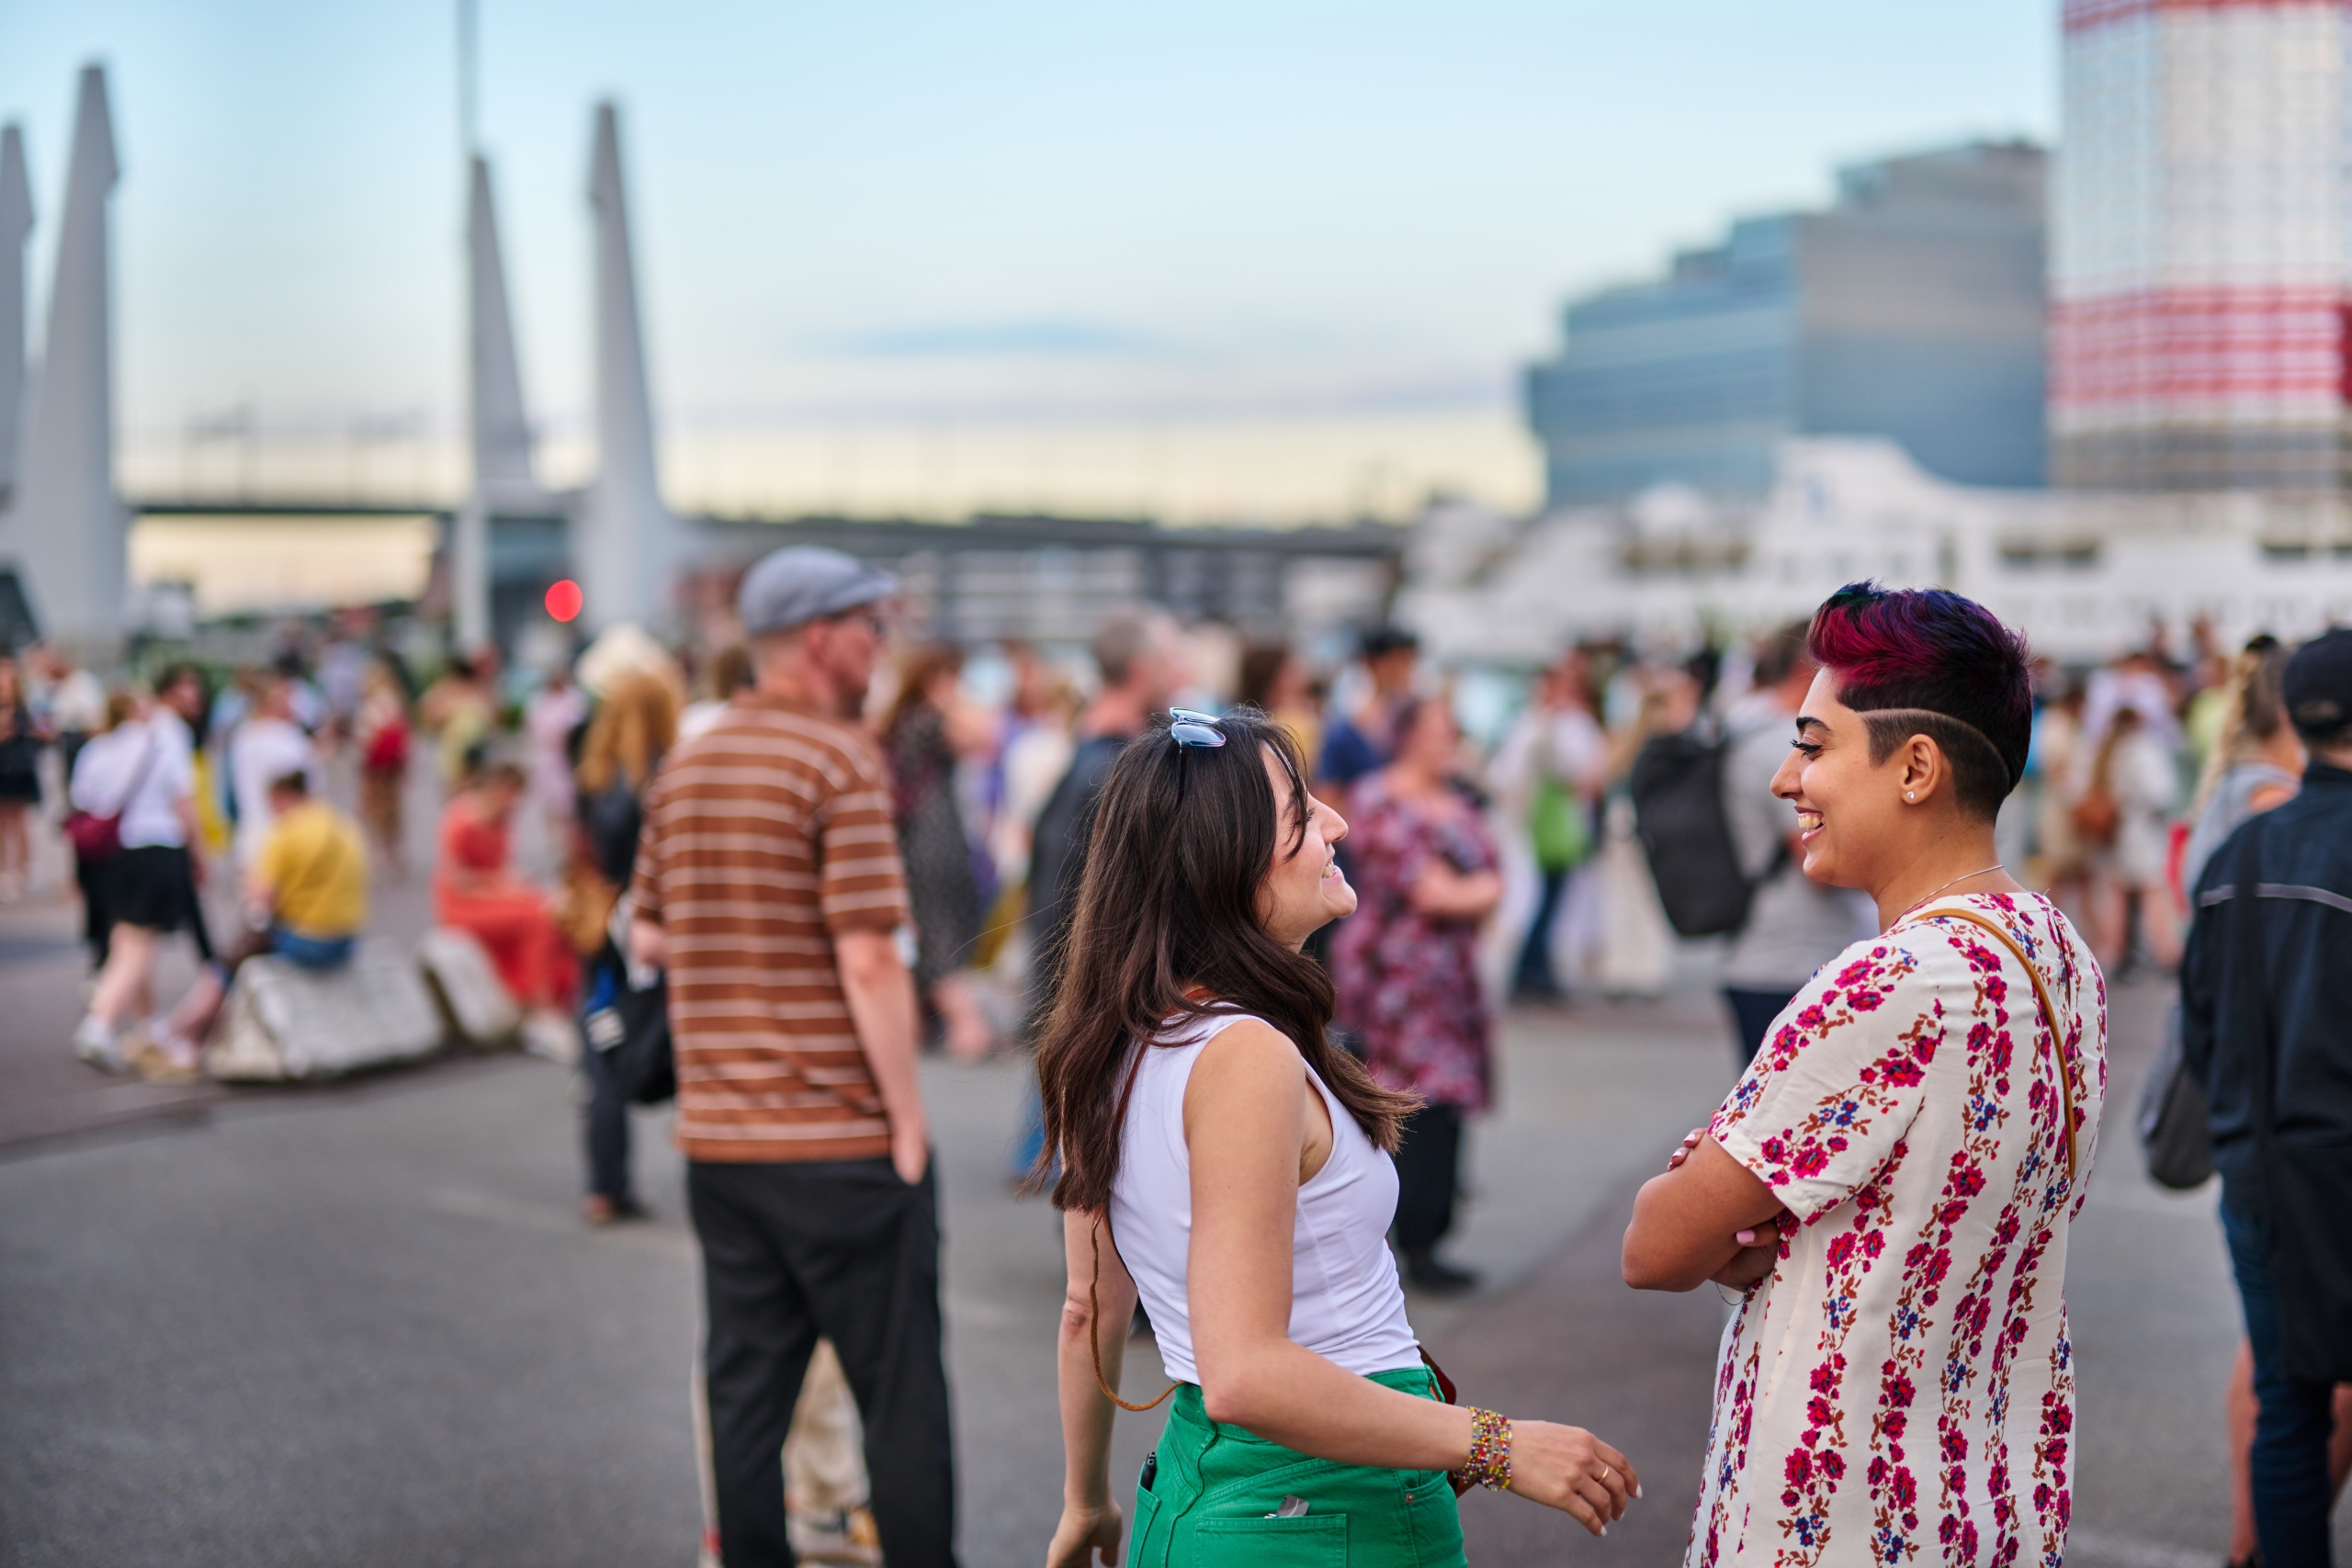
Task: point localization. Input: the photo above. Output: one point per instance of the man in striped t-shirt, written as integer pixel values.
(768, 885)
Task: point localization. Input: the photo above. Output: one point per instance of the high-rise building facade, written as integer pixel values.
(1912, 309)
(2200, 258)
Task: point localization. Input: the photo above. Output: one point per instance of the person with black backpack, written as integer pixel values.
(2265, 995)
(1720, 846)
(1793, 925)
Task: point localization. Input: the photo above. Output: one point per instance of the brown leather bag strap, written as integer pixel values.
(1101, 1227)
(1094, 1320)
(2049, 1017)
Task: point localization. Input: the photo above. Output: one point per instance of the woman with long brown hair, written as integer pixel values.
(1222, 1160)
(635, 724)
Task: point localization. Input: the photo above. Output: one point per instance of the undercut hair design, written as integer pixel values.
(1925, 661)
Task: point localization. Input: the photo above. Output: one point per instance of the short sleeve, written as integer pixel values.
(860, 884)
(1843, 1076)
(176, 754)
(270, 865)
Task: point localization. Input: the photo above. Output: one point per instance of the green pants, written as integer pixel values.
(1214, 1487)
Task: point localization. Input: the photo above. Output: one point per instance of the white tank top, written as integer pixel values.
(1345, 1306)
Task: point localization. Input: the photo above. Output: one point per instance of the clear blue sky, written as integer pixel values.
(1054, 208)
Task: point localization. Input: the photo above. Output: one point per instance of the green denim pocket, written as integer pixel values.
(1143, 1549)
(1218, 1482)
(1309, 1540)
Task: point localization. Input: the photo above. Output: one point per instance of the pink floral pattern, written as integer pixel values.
(1901, 1388)
(1407, 982)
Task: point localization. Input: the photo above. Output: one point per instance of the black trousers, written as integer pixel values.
(604, 1130)
(846, 1251)
(1429, 1173)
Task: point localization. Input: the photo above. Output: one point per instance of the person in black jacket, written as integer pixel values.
(1137, 655)
(2273, 1007)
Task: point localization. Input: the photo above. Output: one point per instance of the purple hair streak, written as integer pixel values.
(1933, 655)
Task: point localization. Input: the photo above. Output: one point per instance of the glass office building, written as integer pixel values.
(1912, 309)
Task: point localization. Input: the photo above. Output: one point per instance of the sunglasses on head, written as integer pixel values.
(1190, 727)
(1192, 730)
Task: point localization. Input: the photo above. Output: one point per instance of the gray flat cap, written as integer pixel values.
(800, 583)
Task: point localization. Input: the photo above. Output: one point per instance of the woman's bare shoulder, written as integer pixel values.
(1249, 1037)
(1247, 1054)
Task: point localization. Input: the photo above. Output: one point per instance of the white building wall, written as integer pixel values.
(2083, 576)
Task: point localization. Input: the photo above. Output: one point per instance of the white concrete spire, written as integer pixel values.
(624, 547)
(16, 227)
(503, 478)
(502, 425)
(68, 532)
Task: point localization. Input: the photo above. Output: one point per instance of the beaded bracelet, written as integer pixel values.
(1489, 1463)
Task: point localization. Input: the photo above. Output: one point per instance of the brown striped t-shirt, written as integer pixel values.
(765, 836)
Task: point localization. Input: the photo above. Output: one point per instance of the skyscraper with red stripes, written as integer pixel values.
(2201, 247)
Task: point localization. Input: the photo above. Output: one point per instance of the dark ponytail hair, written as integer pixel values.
(1182, 840)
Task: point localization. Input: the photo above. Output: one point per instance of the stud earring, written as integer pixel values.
(1910, 795)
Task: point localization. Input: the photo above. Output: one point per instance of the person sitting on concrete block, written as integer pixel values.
(308, 885)
(306, 900)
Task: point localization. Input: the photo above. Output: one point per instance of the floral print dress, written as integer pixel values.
(1408, 983)
(1901, 1388)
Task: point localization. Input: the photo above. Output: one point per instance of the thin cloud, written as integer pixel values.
(1042, 338)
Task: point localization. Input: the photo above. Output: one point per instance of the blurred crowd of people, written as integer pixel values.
(161, 789)
(1501, 864)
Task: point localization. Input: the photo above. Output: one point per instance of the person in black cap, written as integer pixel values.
(2266, 1025)
(768, 885)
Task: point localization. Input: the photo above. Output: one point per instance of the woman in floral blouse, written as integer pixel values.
(1891, 1183)
(1405, 967)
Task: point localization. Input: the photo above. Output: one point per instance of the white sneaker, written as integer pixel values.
(94, 1042)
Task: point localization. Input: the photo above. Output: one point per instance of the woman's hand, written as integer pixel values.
(1686, 1220)
(1569, 1469)
(1759, 1251)
(1083, 1534)
(1759, 1245)
(1444, 893)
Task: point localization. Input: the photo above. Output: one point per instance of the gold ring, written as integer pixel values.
(1604, 1474)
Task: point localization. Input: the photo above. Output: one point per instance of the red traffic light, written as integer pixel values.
(563, 599)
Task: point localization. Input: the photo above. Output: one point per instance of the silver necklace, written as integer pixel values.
(1964, 876)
